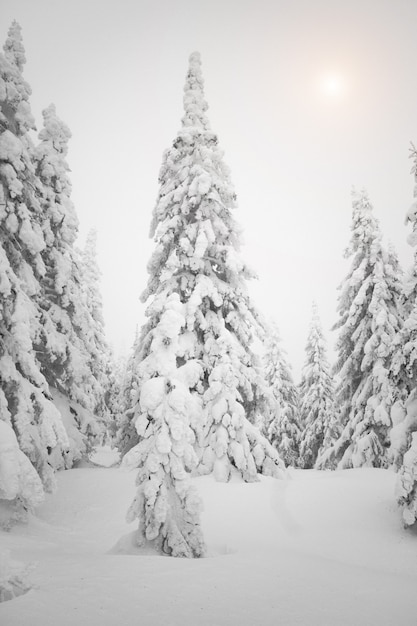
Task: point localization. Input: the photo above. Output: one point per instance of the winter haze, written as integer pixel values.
(307, 100)
(203, 483)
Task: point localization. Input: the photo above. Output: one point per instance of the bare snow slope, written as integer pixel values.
(319, 549)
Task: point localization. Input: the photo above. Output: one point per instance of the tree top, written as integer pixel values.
(13, 48)
(365, 226)
(315, 311)
(195, 104)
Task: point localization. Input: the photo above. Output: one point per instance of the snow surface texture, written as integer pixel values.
(319, 549)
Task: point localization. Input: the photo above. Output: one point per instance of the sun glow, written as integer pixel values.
(332, 86)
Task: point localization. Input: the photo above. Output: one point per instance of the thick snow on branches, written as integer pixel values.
(24, 396)
(198, 394)
(167, 506)
(368, 326)
(281, 424)
(44, 318)
(403, 435)
(316, 396)
(196, 344)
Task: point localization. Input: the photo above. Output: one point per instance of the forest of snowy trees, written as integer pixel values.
(207, 387)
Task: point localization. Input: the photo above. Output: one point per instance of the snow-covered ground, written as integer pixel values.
(318, 549)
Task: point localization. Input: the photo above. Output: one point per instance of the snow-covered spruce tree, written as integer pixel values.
(403, 434)
(71, 347)
(197, 257)
(406, 487)
(281, 425)
(409, 296)
(25, 401)
(326, 458)
(167, 506)
(101, 360)
(368, 323)
(115, 403)
(198, 382)
(316, 395)
(404, 366)
(127, 435)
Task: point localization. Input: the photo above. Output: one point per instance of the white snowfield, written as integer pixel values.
(317, 549)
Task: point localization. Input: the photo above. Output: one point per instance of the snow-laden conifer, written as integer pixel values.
(410, 277)
(167, 506)
(282, 424)
(115, 402)
(100, 358)
(194, 354)
(368, 324)
(316, 395)
(404, 367)
(25, 399)
(404, 361)
(406, 488)
(45, 318)
(126, 400)
(197, 256)
(71, 347)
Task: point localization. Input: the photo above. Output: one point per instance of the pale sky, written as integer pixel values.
(308, 98)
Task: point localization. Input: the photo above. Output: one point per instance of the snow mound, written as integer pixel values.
(128, 544)
(105, 456)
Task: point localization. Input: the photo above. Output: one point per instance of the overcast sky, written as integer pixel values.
(308, 98)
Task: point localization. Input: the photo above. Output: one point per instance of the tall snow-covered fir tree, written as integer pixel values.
(47, 382)
(71, 347)
(404, 366)
(281, 425)
(410, 278)
(200, 386)
(127, 435)
(403, 435)
(368, 323)
(316, 395)
(101, 360)
(25, 400)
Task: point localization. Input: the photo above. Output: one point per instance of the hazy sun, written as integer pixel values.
(332, 86)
